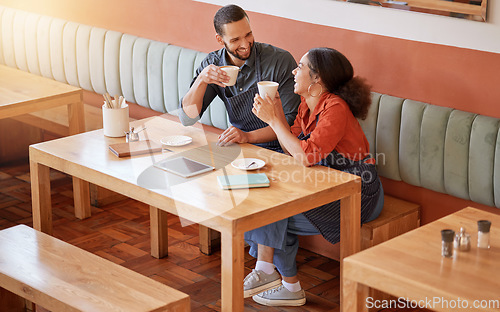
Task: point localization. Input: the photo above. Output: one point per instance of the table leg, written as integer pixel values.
(81, 193)
(81, 196)
(209, 240)
(350, 228)
(159, 232)
(76, 117)
(355, 294)
(232, 270)
(40, 195)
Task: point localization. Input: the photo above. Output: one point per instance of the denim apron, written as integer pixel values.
(239, 108)
(326, 218)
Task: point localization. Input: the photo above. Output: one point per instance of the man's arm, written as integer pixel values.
(200, 94)
(192, 102)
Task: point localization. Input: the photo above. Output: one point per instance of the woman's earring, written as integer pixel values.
(309, 89)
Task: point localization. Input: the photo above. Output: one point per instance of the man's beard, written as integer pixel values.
(235, 53)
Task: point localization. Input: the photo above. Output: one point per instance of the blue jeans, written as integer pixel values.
(283, 237)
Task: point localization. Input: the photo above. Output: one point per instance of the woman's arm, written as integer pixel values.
(272, 113)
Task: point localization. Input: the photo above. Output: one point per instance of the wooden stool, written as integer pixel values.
(62, 277)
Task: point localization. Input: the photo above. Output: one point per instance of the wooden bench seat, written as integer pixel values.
(62, 277)
(397, 217)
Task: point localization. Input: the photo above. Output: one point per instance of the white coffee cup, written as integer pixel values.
(115, 121)
(232, 72)
(267, 87)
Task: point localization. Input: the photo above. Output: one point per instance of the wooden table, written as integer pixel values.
(411, 267)
(199, 199)
(23, 93)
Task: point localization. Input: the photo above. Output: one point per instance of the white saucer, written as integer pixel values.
(246, 164)
(176, 140)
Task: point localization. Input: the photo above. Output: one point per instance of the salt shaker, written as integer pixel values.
(462, 240)
(132, 135)
(483, 234)
(447, 236)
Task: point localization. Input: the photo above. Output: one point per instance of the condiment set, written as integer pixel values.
(132, 136)
(462, 241)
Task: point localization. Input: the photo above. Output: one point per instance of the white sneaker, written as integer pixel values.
(281, 296)
(258, 281)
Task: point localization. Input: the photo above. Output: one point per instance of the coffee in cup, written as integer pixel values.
(267, 87)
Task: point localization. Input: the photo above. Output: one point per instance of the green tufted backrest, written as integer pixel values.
(438, 148)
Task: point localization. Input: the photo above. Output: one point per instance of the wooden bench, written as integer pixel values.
(62, 277)
(397, 217)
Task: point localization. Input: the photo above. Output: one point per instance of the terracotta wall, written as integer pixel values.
(447, 76)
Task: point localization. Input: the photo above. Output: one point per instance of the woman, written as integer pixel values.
(325, 132)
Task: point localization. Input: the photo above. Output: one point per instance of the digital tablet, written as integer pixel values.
(183, 166)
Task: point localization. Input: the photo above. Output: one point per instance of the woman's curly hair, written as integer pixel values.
(337, 74)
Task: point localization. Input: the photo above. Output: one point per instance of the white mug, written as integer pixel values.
(232, 72)
(267, 87)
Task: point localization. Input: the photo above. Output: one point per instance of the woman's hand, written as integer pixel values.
(266, 109)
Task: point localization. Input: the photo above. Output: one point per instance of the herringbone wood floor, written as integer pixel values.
(119, 232)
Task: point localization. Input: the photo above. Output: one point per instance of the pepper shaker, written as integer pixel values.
(483, 234)
(447, 236)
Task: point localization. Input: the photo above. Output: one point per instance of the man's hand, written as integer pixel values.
(232, 135)
(213, 74)
(192, 103)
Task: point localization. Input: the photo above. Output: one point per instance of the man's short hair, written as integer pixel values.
(228, 14)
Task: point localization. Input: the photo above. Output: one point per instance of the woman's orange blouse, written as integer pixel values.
(336, 129)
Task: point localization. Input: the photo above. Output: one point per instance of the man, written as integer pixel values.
(257, 62)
